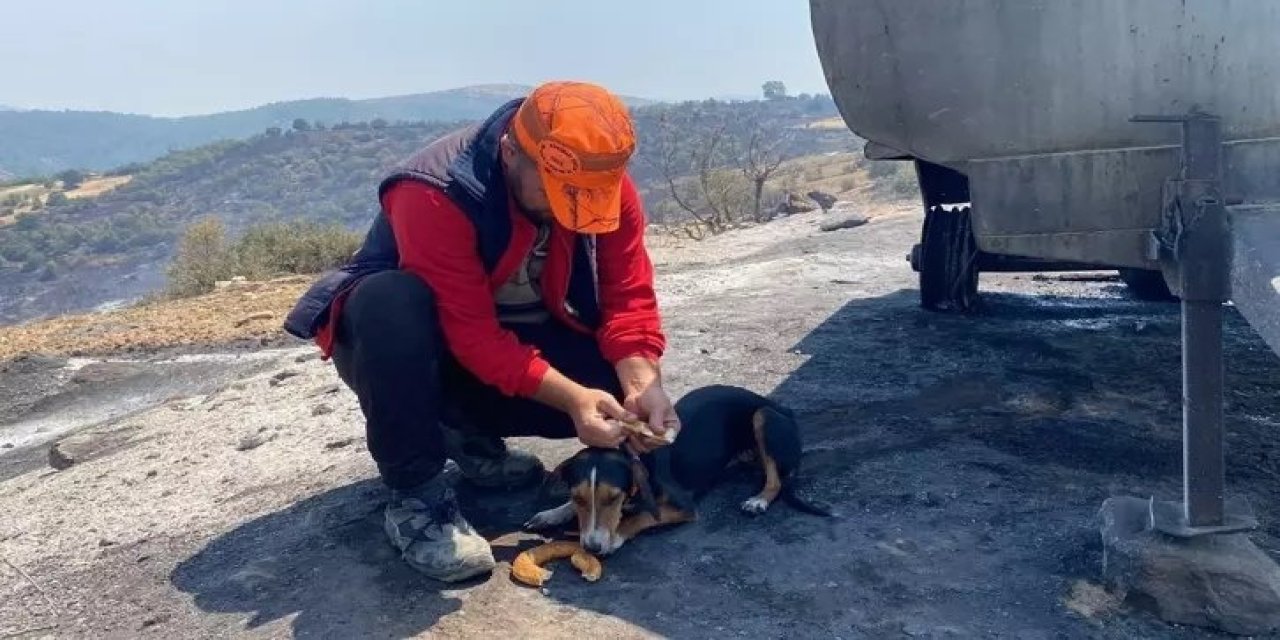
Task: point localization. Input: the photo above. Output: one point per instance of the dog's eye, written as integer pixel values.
(579, 500)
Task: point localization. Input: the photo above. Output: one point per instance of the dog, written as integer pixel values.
(615, 495)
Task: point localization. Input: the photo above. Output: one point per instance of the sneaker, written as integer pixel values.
(486, 462)
(425, 524)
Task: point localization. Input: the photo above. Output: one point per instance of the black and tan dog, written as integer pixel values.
(616, 496)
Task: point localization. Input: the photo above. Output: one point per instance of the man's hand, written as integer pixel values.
(590, 409)
(645, 397)
(595, 415)
(654, 407)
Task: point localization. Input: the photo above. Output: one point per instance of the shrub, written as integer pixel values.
(49, 272)
(275, 249)
(903, 182)
(280, 248)
(883, 168)
(203, 258)
(71, 179)
(894, 178)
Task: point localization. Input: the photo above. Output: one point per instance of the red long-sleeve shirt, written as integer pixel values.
(437, 242)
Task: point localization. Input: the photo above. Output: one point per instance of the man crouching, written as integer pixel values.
(503, 290)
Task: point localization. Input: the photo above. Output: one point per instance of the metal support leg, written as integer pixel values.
(1193, 246)
(1202, 460)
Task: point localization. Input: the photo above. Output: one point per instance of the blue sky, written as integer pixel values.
(177, 57)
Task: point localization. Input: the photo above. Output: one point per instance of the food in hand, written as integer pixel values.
(641, 428)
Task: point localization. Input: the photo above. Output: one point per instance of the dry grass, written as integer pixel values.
(21, 190)
(247, 311)
(1091, 601)
(9, 216)
(837, 174)
(835, 122)
(846, 175)
(97, 186)
(91, 188)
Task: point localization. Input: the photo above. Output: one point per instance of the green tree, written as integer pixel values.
(49, 272)
(202, 259)
(774, 90)
(71, 179)
(16, 250)
(57, 198)
(301, 124)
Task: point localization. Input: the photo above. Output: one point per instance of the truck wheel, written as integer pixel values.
(1148, 285)
(948, 258)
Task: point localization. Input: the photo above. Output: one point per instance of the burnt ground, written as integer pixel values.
(967, 457)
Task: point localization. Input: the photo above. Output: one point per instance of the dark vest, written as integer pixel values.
(465, 165)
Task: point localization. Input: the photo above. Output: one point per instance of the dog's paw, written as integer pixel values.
(755, 505)
(549, 518)
(543, 520)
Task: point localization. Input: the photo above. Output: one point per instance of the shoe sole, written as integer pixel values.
(460, 575)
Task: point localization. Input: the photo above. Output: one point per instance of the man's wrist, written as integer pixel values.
(558, 391)
(637, 373)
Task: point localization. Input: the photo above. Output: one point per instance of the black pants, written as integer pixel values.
(390, 351)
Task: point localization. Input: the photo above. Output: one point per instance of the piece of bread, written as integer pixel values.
(587, 565)
(528, 567)
(642, 429)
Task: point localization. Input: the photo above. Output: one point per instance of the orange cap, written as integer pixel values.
(581, 138)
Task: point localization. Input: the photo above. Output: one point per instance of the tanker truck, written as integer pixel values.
(1136, 135)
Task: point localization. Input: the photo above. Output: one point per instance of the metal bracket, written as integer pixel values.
(1192, 243)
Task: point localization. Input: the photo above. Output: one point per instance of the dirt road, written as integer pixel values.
(967, 457)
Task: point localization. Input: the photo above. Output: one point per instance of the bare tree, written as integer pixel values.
(762, 154)
(716, 168)
(690, 158)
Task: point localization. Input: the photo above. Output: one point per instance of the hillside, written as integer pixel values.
(82, 253)
(212, 488)
(45, 142)
(20, 198)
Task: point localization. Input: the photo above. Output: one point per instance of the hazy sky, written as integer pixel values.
(175, 57)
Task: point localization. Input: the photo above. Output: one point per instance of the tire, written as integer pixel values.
(1147, 285)
(948, 257)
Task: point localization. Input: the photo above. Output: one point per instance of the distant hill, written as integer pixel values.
(76, 254)
(41, 142)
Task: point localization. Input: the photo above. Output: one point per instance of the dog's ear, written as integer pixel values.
(556, 476)
(641, 489)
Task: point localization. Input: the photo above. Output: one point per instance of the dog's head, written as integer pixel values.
(601, 481)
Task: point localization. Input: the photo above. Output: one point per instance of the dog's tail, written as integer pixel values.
(804, 505)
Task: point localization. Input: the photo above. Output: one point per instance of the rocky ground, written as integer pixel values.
(228, 492)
